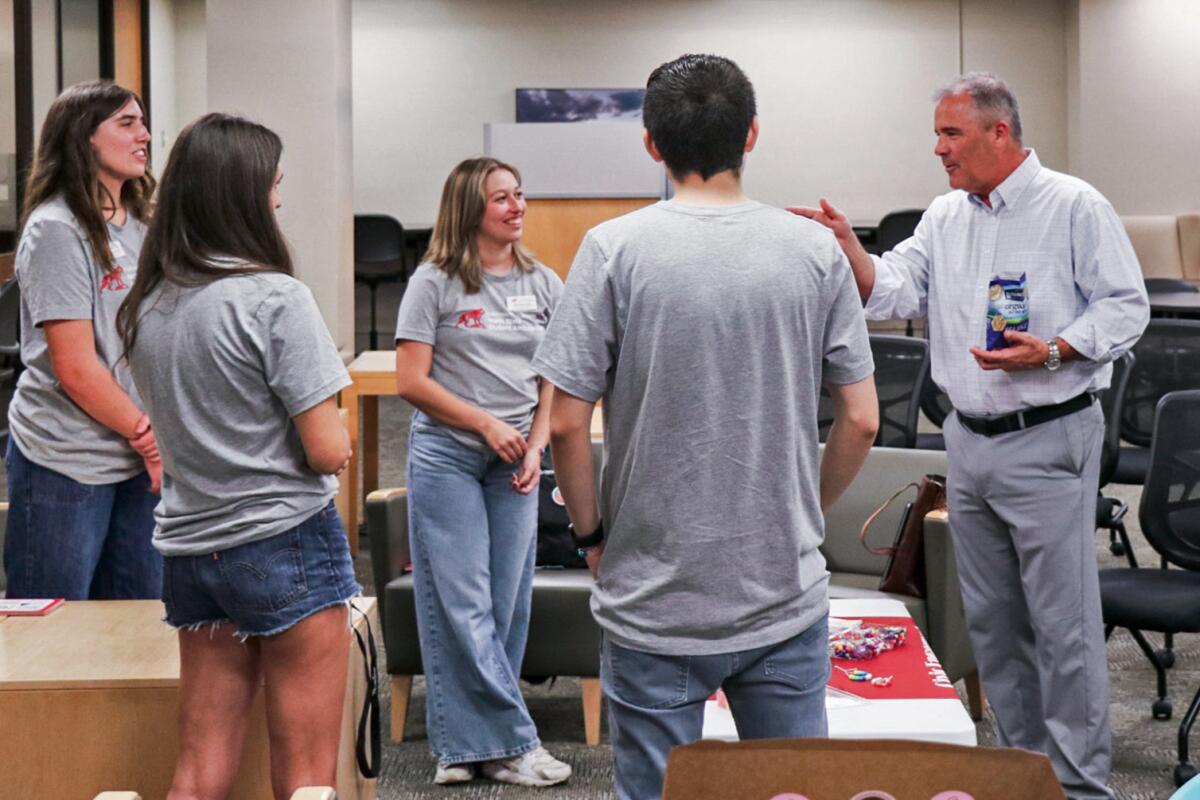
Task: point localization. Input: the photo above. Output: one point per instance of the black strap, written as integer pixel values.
(368, 719)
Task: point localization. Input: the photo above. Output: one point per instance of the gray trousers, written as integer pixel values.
(1022, 513)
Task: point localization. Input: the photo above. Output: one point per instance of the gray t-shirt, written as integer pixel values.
(61, 279)
(483, 342)
(223, 368)
(708, 331)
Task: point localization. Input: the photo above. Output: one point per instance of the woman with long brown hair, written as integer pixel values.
(240, 377)
(469, 323)
(82, 462)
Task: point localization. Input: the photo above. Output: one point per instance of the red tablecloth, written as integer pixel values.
(915, 672)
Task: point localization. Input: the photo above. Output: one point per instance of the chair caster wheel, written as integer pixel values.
(1116, 548)
(1165, 657)
(1161, 709)
(1183, 773)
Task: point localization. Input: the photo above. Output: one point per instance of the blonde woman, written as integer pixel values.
(471, 318)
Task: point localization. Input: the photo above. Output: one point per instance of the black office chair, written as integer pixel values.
(901, 364)
(1170, 285)
(1166, 601)
(10, 351)
(894, 228)
(1168, 360)
(936, 406)
(378, 257)
(1111, 511)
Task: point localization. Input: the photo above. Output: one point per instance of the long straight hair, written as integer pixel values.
(66, 164)
(452, 245)
(214, 202)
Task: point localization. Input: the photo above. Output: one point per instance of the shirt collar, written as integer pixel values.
(1012, 187)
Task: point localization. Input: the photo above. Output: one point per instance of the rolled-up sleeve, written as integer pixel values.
(1109, 279)
(902, 278)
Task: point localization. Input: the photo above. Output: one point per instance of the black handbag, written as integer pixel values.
(905, 569)
(555, 545)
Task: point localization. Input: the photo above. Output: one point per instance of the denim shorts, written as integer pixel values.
(266, 586)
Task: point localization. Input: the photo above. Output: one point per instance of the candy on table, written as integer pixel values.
(867, 642)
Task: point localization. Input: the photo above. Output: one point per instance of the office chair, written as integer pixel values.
(1168, 360)
(901, 367)
(1165, 601)
(10, 351)
(894, 228)
(1170, 285)
(378, 257)
(1111, 511)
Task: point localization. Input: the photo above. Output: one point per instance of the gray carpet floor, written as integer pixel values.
(1143, 749)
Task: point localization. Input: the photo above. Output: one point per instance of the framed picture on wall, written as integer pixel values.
(579, 105)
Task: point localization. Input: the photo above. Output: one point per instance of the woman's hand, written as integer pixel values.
(525, 480)
(505, 440)
(154, 468)
(143, 441)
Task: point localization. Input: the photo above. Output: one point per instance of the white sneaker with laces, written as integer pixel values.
(454, 773)
(535, 768)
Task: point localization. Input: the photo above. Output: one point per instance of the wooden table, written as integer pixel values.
(374, 374)
(89, 698)
(931, 720)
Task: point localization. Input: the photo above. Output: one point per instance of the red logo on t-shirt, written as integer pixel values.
(470, 319)
(113, 281)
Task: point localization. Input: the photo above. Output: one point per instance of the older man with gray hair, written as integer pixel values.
(1031, 289)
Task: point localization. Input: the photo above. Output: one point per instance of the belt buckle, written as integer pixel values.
(1021, 421)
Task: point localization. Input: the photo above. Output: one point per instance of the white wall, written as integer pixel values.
(177, 70)
(1135, 98)
(163, 124)
(8, 98)
(1025, 43)
(286, 64)
(843, 88)
(43, 25)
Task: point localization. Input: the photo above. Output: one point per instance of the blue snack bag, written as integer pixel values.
(1008, 308)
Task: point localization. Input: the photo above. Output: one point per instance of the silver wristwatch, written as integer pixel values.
(1054, 360)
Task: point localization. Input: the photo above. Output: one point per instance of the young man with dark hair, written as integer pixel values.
(707, 323)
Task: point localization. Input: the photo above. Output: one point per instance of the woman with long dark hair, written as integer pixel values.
(469, 323)
(82, 463)
(239, 375)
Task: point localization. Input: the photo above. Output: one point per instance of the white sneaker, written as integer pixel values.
(454, 773)
(535, 768)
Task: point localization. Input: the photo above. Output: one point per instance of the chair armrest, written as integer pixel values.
(387, 526)
(943, 600)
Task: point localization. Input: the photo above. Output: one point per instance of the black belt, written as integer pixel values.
(1020, 420)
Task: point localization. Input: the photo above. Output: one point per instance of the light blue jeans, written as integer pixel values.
(656, 702)
(473, 541)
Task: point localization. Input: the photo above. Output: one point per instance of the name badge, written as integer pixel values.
(522, 302)
(116, 249)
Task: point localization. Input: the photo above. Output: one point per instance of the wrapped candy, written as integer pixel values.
(868, 641)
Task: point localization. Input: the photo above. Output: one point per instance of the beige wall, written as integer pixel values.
(843, 88)
(1135, 99)
(296, 80)
(1025, 43)
(177, 69)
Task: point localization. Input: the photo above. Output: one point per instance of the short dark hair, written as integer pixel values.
(698, 111)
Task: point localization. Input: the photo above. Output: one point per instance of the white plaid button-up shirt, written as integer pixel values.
(1084, 285)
